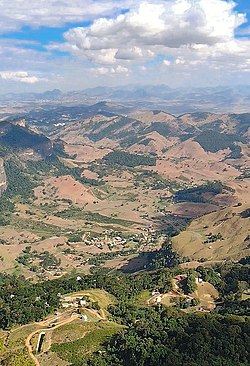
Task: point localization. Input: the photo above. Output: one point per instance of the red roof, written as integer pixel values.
(179, 277)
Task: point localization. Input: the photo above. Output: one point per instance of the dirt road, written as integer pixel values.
(45, 323)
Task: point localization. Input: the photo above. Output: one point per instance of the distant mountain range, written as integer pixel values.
(177, 101)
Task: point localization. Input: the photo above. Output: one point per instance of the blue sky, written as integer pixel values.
(69, 45)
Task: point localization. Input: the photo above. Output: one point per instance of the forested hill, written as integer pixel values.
(152, 336)
(14, 136)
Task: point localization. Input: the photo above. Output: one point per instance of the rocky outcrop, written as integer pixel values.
(19, 138)
(3, 180)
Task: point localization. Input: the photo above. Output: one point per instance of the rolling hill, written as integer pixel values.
(101, 190)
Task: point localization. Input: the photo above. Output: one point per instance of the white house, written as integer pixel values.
(158, 299)
(82, 302)
(84, 317)
(155, 292)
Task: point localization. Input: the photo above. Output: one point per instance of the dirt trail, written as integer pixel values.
(95, 313)
(45, 323)
(29, 347)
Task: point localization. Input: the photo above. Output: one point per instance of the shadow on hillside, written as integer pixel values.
(136, 264)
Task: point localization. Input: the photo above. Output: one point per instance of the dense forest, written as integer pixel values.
(130, 160)
(165, 337)
(214, 141)
(197, 194)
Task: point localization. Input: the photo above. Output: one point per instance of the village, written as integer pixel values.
(95, 249)
(112, 238)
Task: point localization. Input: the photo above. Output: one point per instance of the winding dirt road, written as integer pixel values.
(45, 323)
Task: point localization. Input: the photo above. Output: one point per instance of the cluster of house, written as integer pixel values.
(76, 303)
(112, 239)
(175, 292)
(148, 236)
(109, 238)
(73, 301)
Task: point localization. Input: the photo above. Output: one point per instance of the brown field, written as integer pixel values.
(192, 210)
(66, 187)
(207, 295)
(86, 153)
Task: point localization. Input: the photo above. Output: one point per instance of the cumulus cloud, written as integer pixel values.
(111, 70)
(153, 27)
(180, 42)
(166, 63)
(119, 70)
(20, 76)
(55, 13)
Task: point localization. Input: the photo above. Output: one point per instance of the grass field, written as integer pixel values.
(245, 296)
(2, 348)
(234, 230)
(79, 350)
(206, 293)
(72, 332)
(142, 298)
(36, 227)
(166, 300)
(101, 296)
(18, 335)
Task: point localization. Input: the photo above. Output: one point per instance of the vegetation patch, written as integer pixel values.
(20, 358)
(201, 194)
(214, 141)
(166, 337)
(44, 260)
(130, 160)
(78, 214)
(78, 351)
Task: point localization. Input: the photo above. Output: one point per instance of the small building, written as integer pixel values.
(66, 305)
(158, 299)
(82, 302)
(198, 280)
(84, 318)
(179, 278)
(155, 292)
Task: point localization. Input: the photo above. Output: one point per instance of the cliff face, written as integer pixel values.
(18, 138)
(3, 181)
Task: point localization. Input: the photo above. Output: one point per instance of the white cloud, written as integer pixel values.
(119, 70)
(133, 53)
(111, 70)
(178, 42)
(54, 13)
(156, 26)
(101, 70)
(179, 61)
(21, 76)
(166, 62)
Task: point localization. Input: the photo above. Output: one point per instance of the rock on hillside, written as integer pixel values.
(3, 181)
